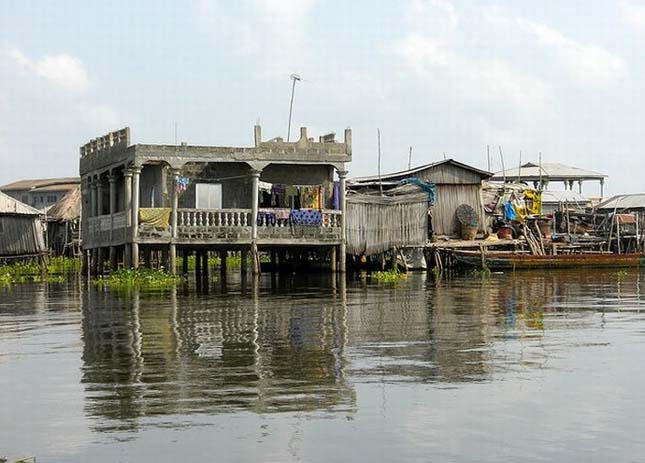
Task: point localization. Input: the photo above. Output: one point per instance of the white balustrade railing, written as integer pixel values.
(214, 217)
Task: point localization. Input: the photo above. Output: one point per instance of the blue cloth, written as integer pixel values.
(428, 187)
(270, 218)
(509, 212)
(306, 218)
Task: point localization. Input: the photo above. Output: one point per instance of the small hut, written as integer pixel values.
(21, 230)
(456, 184)
(376, 224)
(63, 225)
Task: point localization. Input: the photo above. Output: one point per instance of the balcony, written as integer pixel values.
(234, 226)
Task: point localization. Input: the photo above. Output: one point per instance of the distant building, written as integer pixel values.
(541, 175)
(41, 193)
(21, 230)
(456, 184)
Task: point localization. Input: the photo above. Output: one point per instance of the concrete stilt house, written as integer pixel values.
(276, 196)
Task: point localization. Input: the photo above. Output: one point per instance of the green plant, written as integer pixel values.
(481, 273)
(389, 276)
(127, 279)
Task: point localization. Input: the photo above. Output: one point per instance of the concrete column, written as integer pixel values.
(99, 260)
(244, 255)
(222, 257)
(255, 188)
(332, 259)
(135, 216)
(342, 176)
(99, 196)
(93, 184)
(127, 204)
(112, 179)
(184, 263)
(205, 269)
(602, 187)
(172, 250)
(198, 266)
(580, 186)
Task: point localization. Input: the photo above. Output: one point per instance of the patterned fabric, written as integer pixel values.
(306, 218)
(182, 184)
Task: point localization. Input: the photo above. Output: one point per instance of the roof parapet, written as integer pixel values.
(117, 140)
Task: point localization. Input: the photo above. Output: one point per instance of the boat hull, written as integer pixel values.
(505, 261)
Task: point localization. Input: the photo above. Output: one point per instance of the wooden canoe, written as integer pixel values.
(511, 261)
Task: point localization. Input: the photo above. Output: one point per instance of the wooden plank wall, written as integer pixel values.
(21, 235)
(448, 198)
(379, 224)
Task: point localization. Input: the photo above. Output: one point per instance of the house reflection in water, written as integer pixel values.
(289, 346)
(145, 356)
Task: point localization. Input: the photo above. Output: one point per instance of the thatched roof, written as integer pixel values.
(68, 207)
(9, 205)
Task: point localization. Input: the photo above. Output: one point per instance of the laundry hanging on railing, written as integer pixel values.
(266, 218)
(158, 217)
(306, 218)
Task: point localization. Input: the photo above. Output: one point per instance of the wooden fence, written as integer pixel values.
(376, 224)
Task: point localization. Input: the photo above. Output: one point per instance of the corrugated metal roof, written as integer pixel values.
(9, 205)
(563, 196)
(636, 201)
(552, 171)
(40, 183)
(410, 172)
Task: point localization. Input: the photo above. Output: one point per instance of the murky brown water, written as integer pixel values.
(532, 367)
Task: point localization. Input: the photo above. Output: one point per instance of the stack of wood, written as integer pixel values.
(536, 244)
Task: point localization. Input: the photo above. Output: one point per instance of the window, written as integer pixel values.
(1, 227)
(51, 199)
(25, 199)
(208, 195)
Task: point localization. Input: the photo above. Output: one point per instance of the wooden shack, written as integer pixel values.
(376, 224)
(456, 183)
(63, 225)
(21, 230)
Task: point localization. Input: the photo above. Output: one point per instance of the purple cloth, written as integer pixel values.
(337, 195)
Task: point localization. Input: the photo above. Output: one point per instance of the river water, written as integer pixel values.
(537, 366)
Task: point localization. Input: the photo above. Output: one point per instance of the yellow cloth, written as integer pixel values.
(533, 200)
(155, 217)
(310, 197)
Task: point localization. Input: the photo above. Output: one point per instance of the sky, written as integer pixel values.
(447, 77)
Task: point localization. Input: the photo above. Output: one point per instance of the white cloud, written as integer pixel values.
(438, 16)
(276, 33)
(589, 64)
(433, 55)
(633, 15)
(63, 70)
(53, 102)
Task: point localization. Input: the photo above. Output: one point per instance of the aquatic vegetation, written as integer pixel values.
(621, 273)
(30, 271)
(127, 279)
(234, 261)
(481, 273)
(62, 264)
(389, 276)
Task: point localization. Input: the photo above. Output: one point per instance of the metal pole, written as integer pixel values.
(380, 183)
(410, 159)
(294, 78)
